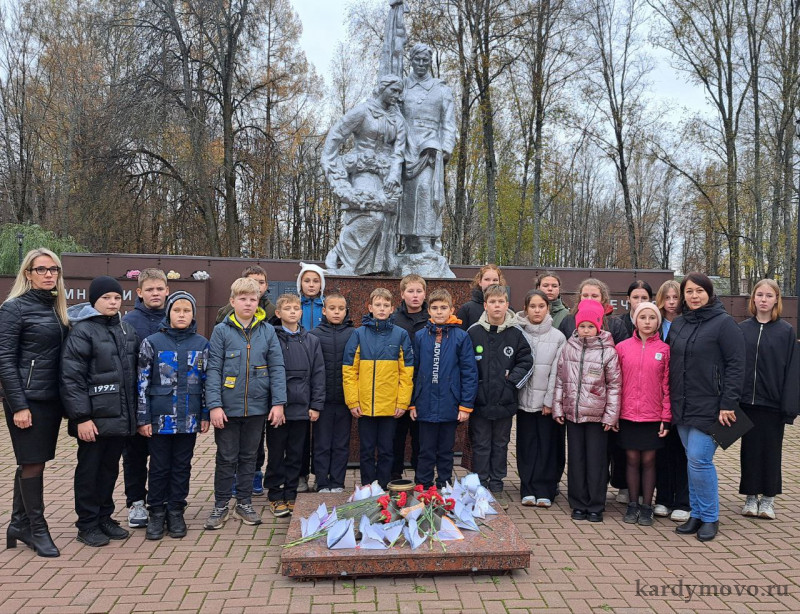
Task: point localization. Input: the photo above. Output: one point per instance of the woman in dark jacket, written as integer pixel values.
(33, 326)
(706, 370)
(769, 397)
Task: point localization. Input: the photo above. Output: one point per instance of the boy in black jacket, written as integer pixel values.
(332, 430)
(305, 398)
(98, 388)
(504, 365)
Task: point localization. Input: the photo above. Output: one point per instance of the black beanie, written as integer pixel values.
(103, 285)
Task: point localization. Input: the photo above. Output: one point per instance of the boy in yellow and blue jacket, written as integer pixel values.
(378, 374)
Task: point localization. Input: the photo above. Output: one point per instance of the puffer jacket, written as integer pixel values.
(645, 380)
(144, 320)
(98, 372)
(627, 323)
(305, 373)
(470, 311)
(31, 339)
(613, 325)
(411, 322)
(378, 368)
(445, 372)
(504, 366)
(706, 365)
(546, 343)
(172, 373)
(559, 311)
(588, 381)
(333, 338)
(263, 302)
(245, 374)
(312, 311)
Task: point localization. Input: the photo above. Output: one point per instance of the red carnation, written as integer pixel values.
(419, 488)
(387, 516)
(449, 504)
(402, 499)
(433, 488)
(384, 501)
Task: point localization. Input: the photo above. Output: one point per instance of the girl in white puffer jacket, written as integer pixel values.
(540, 439)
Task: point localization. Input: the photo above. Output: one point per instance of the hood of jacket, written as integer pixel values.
(452, 322)
(82, 311)
(533, 329)
(510, 320)
(712, 309)
(177, 333)
(259, 316)
(379, 325)
(150, 314)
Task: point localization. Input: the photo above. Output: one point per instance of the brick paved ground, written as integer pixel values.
(576, 567)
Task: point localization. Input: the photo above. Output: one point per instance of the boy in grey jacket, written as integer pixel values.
(245, 386)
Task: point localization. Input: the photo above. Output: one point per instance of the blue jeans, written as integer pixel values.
(703, 485)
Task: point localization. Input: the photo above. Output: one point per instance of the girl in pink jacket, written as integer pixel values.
(645, 417)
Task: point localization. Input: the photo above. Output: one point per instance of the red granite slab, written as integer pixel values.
(500, 548)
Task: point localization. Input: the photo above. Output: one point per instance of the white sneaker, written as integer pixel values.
(766, 508)
(750, 506)
(137, 515)
(302, 484)
(337, 489)
(543, 502)
(529, 501)
(680, 515)
(662, 511)
(622, 496)
(324, 490)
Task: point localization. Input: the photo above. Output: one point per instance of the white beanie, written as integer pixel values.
(315, 269)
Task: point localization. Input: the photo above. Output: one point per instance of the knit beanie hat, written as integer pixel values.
(180, 295)
(304, 268)
(647, 305)
(590, 311)
(103, 285)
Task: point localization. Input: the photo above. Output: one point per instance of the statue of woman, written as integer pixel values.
(367, 179)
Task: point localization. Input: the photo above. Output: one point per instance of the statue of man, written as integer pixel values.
(429, 112)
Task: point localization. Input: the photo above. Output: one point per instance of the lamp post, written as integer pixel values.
(20, 239)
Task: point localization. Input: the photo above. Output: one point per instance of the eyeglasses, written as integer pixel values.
(41, 270)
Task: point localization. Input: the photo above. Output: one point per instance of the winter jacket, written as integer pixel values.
(546, 343)
(305, 373)
(470, 311)
(706, 365)
(31, 339)
(263, 302)
(312, 311)
(504, 366)
(245, 374)
(333, 338)
(378, 368)
(172, 374)
(627, 324)
(98, 372)
(144, 320)
(772, 367)
(559, 311)
(645, 380)
(612, 325)
(588, 380)
(445, 372)
(411, 322)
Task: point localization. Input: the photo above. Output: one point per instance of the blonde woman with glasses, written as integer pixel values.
(33, 326)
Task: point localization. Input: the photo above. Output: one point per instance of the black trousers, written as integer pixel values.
(489, 439)
(540, 451)
(170, 470)
(761, 453)
(405, 426)
(96, 475)
(237, 446)
(672, 476)
(332, 445)
(376, 436)
(617, 462)
(587, 466)
(285, 445)
(134, 468)
(261, 456)
(436, 441)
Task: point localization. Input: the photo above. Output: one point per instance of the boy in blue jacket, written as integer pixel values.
(445, 385)
(172, 410)
(245, 381)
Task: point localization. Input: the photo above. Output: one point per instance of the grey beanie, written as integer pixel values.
(180, 295)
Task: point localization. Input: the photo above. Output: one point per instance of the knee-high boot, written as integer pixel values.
(19, 528)
(33, 497)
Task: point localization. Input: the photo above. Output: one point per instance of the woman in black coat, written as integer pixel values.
(33, 326)
(706, 369)
(769, 397)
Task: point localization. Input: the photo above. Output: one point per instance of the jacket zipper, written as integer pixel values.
(247, 372)
(580, 382)
(30, 374)
(374, 368)
(755, 367)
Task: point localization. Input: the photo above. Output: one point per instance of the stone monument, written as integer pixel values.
(391, 183)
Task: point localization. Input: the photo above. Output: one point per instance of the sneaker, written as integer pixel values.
(645, 516)
(176, 524)
(216, 519)
(501, 498)
(258, 483)
(622, 496)
(155, 526)
(302, 484)
(529, 501)
(246, 513)
(543, 503)
(324, 490)
(290, 505)
(112, 529)
(93, 537)
(137, 515)
(631, 514)
(337, 489)
(750, 506)
(279, 509)
(766, 508)
(680, 516)
(662, 511)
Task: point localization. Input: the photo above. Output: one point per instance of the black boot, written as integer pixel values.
(155, 523)
(176, 525)
(708, 531)
(20, 527)
(689, 527)
(32, 490)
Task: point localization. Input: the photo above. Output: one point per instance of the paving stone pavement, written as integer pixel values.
(753, 566)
